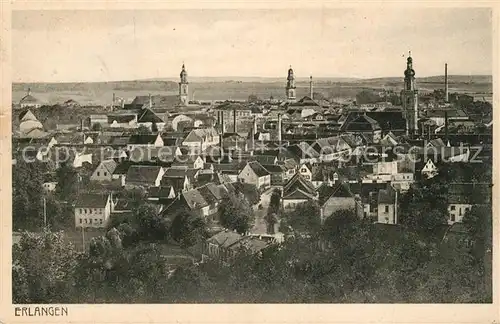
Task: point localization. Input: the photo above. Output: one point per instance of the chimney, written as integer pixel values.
(81, 124)
(311, 87)
(254, 125)
(446, 82)
(150, 102)
(279, 128)
(252, 135)
(234, 119)
(114, 100)
(446, 126)
(29, 91)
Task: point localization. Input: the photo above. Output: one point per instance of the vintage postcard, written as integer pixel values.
(286, 163)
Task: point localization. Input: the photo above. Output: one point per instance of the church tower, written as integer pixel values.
(409, 99)
(183, 87)
(290, 86)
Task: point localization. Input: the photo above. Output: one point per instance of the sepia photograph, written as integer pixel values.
(252, 156)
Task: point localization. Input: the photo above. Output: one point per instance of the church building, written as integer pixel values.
(290, 87)
(183, 87)
(409, 99)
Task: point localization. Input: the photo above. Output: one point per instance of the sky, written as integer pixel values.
(100, 45)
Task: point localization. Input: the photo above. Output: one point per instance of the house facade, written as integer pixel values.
(92, 210)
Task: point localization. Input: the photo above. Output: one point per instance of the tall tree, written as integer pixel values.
(235, 213)
(305, 218)
(42, 269)
(27, 195)
(188, 229)
(67, 183)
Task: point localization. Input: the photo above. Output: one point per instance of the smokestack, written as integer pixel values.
(311, 87)
(29, 91)
(446, 82)
(234, 120)
(114, 99)
(279, 128)
(150, 102)
(254, 125)
(446, 126)
(81, 124)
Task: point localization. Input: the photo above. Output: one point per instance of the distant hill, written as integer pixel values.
(221, 88)
(452, 79)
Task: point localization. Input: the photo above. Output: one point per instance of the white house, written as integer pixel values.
(144, 176)
(305, 170)
(254, 173)
(123, 121)
(104, 171)
(92, 210)
(144, 141)
(387, 206)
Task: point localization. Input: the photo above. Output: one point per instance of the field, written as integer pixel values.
(101, 93)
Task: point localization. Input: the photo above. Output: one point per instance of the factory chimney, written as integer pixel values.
(234, 120)
(446, 82)
(279, 128)
(254, 125)
(446, 126)
(114, 100)
(150, 102)
(311, 87)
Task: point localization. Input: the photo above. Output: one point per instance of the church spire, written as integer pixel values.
(183, 86)
(290, 86)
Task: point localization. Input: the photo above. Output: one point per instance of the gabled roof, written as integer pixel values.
(142, 139)
(387, 196)
(143, 173)
(208, 195)
(162, 154)
(265, 159)
(175, 173)
(29, 99)
(148, 116)
(121, 118)
(273, 168)
(199, 134)
(122, 168)
(110, 165)
(340, 190)
(119, 140)
(303, 150)
(258, 169)
(299, 182)
(91, 200)
(225, 238)
(160, 192)
(298, 194)
(27, 115)
(362, 123)
(194, 199)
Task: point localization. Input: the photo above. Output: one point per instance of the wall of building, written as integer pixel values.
(385, 214)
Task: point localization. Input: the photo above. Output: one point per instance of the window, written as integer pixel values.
(85, 210)
(98, 173)
(466, 209)
(452, 207)
(81, 211)
(386, 209)
(460, 211)
(96, 220)
(100, 221)
(80, 220)
(452, 218)
(90, 211)
(105, 173)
